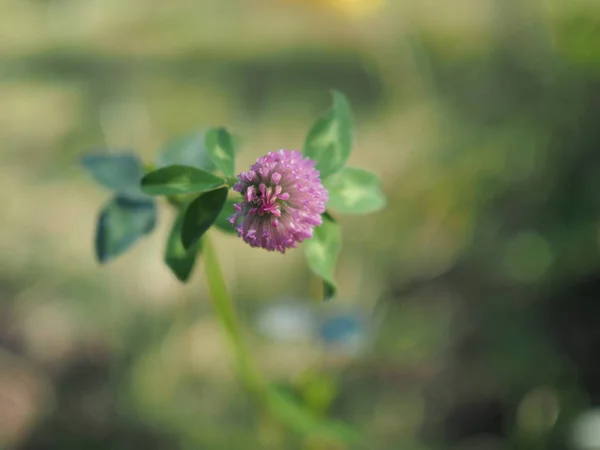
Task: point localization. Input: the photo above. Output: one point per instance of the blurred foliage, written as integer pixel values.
(479, 281)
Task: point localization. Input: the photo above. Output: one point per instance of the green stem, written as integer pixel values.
(228, 318)
(281, 406)
(231, 181)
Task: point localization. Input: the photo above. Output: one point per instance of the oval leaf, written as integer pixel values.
(222, 222)
(120, 172)
(329, 142)
(322, 251)
(176, 179)
(121, 223)
(178, 259)
(187, 150)
(221, 150)
(355, 191)
(200, 215)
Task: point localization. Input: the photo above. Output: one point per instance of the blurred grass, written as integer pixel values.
(454, 105)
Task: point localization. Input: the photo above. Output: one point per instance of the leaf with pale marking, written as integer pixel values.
(355, 191)
(186, 150)
(220, 149)
(329, 141)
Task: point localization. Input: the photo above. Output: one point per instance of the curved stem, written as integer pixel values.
(281, 406)
(228, 318)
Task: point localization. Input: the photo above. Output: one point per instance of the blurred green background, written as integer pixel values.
(467, 316)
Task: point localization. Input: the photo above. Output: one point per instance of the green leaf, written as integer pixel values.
(355, 191)
(238, 142)
(221, 150)
(222, 222)
(119, 172)
(201, 214)
(121, 223)
(187, 150)
(329, 141)
(322, 251)
(176, 179)
(178, 259)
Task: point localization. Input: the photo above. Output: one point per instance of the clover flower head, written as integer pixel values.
(283, 199)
